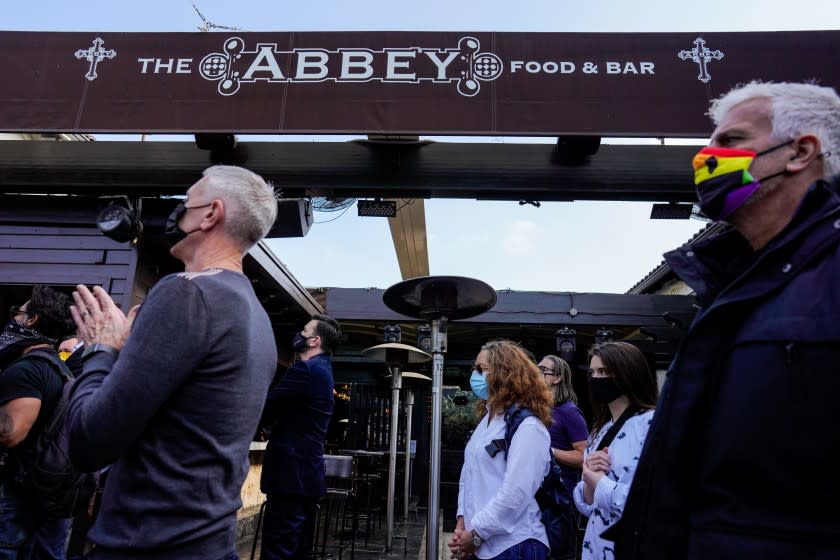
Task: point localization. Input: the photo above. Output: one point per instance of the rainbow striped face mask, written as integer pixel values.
(723, 179)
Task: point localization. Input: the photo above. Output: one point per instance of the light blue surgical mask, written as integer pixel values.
(478, 383)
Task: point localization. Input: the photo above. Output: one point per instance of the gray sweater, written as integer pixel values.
(175, 415)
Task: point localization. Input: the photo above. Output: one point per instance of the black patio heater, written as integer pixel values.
(395, 356)
(438, 299)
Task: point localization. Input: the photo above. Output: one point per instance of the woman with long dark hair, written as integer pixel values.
(498, 517)
(623, 393)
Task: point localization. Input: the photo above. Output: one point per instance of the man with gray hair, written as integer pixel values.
(738, 459)
(173, 402)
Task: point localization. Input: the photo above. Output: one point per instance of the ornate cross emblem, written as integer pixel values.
(95, 55)
(702, 56)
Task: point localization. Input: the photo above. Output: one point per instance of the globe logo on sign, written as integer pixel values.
(487, 66)
(213, 66)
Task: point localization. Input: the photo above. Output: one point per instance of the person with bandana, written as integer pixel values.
(30, 388)
(622, 390)
(297, 412)
(172, 394)
(739, 459)
(498, 516)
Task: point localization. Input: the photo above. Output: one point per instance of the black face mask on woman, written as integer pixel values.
(604, 389)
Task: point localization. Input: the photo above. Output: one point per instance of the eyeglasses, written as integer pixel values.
(601, 370)
(481, 370)
(16, 310)
(548, 371)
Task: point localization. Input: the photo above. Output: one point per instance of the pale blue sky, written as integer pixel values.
(580, 246)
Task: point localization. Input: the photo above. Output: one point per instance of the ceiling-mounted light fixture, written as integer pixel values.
(566, 344)
(120, 221)
(424, 338)
(377, 208)
(392, 333)
(603, 335)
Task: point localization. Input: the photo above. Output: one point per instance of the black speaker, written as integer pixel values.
(294, 218)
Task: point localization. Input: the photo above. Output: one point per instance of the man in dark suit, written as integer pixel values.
(298, 411)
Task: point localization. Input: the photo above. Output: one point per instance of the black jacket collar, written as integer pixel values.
(720, 263)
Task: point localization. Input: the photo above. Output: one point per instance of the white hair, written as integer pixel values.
(250, 202)
(795, 109)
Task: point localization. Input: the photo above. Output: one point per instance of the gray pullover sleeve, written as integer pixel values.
(113, 402)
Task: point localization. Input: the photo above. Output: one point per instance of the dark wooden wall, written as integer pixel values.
(55, 247)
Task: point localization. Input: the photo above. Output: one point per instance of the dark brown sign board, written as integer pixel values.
(609, 84)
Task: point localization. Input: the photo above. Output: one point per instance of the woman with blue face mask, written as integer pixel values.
(498, 517)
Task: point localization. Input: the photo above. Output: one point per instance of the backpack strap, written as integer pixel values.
(514, 416)
(52, 358)
(58, 414)
(628, 413)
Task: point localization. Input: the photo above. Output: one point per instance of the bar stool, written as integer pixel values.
(339, 494)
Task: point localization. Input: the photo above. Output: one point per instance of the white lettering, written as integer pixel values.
(646, 67)
(145, 62)
(311, 60)
(183, 66)
(515, 65)
(630, 68)
(532, 67)
(266, 54)
(165, 65)
(394, 64)
(613, 68)
(347, 64)
(550, 67)
(567, 67)
(441, 65)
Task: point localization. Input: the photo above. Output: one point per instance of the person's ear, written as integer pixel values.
(214, 214)
(807, 150)
(31, 320)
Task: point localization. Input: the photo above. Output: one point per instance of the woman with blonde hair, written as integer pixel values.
(568, 434)
(568, 431)
(498, 517)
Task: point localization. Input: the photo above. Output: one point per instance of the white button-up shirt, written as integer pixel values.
(496, 497)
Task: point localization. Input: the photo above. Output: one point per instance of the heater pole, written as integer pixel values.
(438, 349)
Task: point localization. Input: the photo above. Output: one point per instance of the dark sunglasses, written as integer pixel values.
(16, 310)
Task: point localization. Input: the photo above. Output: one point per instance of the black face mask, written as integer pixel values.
(604, 390)
(172, 233)
(299, 342)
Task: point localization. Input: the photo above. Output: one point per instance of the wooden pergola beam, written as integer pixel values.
(357, 169)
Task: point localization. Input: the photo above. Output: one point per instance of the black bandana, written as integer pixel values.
(14, 338)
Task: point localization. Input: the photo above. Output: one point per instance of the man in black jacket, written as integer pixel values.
(298, 411)
(739, 460)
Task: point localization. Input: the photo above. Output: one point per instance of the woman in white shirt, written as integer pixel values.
(498, 517)
(623, 393)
